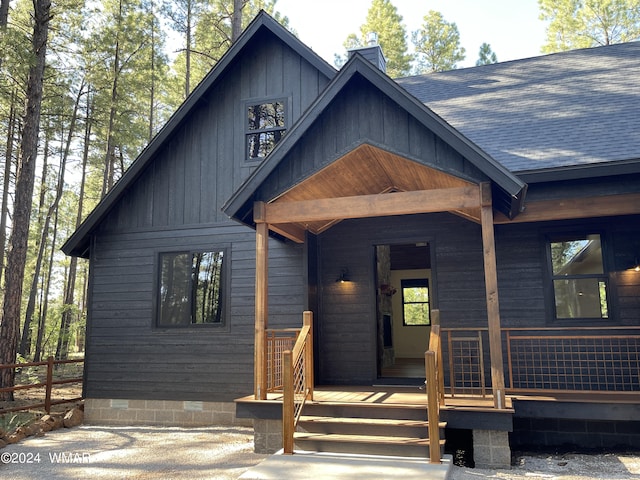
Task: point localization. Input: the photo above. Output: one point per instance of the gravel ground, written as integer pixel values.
(223, 453)
(571, 466)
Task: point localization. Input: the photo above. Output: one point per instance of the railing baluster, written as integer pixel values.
(288, 404)
(307, 320)
(433, 415)
(297, 365)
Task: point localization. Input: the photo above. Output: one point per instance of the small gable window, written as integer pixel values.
(191, 289)
(266, 124)
(578, 277)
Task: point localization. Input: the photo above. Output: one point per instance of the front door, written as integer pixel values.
(404, 282)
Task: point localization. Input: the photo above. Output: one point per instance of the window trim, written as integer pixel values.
(550, 277)
(223, 325)
(418, 282)
(245, 122)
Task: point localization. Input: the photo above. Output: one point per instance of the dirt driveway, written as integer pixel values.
(223, 453)
(140, 453)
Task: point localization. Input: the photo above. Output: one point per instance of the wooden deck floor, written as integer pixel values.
(383, 395)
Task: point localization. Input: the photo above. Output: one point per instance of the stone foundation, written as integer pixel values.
(491, 449)
(161, 412)
(267, 436)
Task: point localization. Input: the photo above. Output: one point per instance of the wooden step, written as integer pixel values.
(364, 444)
(365, 426)
(366, 410)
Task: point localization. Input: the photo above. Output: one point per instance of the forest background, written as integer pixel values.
(85, 85)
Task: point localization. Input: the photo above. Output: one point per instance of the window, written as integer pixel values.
(190, 289)
(266, 124)
(415, 302)
(578, 277)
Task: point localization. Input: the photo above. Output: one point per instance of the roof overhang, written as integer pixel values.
(79, 242)
(369, 168)
(351, 186)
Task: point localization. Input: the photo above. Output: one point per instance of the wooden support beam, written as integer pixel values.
(365, 206)
(568, 208)
(491, 287)
(261, 309)
(290, 231)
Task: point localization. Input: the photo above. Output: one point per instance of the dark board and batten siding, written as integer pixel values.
(363, 114)
(204, 161)
(347, 329)
(128, 357)
(175, 204)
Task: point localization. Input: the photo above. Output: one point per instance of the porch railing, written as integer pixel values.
(297, 373)
(584, 360)
(278, 341)
(435, 391)
(466, 360)
(590, 360)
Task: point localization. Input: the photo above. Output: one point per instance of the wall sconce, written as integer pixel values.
(635, 266)
(344, 276)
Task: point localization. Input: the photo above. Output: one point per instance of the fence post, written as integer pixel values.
(433, 416)
(307, 319)
(287, 402)
(47, 396)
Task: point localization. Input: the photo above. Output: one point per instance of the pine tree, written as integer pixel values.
(23, 195)
(486, 56)
(576, 24)
(437, 44)
(383, 20)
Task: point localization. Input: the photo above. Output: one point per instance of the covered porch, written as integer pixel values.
(398, 189)
(366, 166)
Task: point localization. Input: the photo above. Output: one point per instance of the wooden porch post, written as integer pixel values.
(491, 286)
(262, 303)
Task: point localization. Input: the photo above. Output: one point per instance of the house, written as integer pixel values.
(501, 202)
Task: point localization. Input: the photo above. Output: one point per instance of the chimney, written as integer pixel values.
(372, 52)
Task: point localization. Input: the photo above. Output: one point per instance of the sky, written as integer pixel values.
(511, 27)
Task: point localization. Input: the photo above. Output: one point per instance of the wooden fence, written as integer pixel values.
(48, 385)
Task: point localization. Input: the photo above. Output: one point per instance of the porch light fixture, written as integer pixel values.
(344, 276)
(635, 266)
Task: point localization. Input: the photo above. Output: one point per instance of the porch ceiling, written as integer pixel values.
(368, 170)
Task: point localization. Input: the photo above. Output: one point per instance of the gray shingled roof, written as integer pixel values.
(566, 109)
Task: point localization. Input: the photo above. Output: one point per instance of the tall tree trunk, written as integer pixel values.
(187, 81)
(37, 356)
(236, 19)
(17, 256)
(70, 284)
(4, 18)
(25, 343)
(47, 283)
(110, 160)
(4, 13)
(6, 182)
(153, 72)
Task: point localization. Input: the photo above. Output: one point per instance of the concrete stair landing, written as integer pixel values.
(333, 466)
